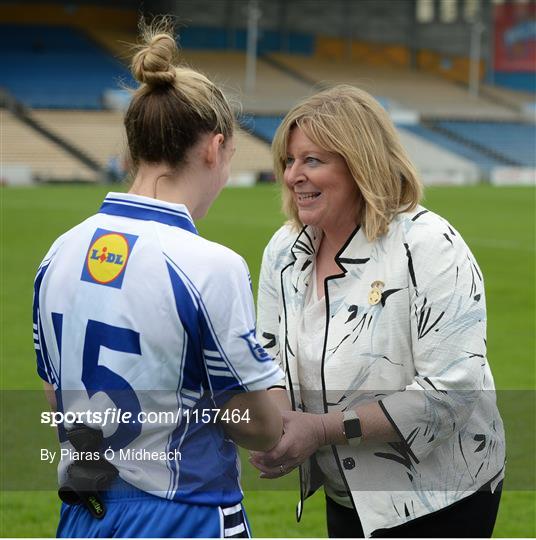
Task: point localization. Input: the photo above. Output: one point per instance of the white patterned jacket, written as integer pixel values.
(420, 352)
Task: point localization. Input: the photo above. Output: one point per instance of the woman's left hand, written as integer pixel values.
(303, 434)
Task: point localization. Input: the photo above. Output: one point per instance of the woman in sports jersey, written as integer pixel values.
(146, 331)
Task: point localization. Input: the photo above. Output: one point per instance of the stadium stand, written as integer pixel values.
(24, 146)
(484, 161)
(438, 159)
(252, 155)
(428, 94)
(515, 100)
(56, 67)
(236, 38)
(436, 164)
(484, 144)
(117, 42)
(72, 64)
(523, 82)
(275, 91)
(264, 127)
(211, 39)
(122, 14)
(99, 133)
(512, 141)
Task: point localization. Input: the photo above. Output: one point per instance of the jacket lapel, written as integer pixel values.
(304, 251)
(356, 251)
(295, 279)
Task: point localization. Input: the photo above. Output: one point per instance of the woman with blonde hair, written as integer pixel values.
(145, 330)
(374, 307)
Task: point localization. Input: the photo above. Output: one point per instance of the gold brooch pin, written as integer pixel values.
(375, 294)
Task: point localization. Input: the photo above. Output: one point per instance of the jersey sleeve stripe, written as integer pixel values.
(215, 363)
(211, 354)
(191, 393)
(215, 373)
(189, 402)
(44, 366)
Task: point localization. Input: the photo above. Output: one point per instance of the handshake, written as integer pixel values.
(303, 434)
(278, 438)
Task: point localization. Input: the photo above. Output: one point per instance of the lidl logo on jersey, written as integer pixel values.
(107, 258)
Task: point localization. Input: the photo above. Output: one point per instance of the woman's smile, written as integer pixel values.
(307, 198)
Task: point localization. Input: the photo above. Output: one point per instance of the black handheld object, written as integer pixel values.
(86, 478)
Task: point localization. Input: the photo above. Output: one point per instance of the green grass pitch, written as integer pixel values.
(497, 223)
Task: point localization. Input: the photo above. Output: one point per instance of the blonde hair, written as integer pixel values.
(174, 104)
(350, 122)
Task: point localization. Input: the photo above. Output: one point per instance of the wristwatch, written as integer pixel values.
(352, 427)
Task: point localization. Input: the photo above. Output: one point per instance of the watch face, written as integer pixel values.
(352, 428)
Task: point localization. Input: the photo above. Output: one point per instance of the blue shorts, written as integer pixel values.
(132, 513)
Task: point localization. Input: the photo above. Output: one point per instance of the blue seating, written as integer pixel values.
(484, 161)
(263, 127)
(56, 67)
(199, 37)
(513, 140)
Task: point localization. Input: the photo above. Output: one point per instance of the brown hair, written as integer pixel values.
(174, 105)
(350, 122)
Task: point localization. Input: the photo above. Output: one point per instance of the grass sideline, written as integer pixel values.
(497, 223)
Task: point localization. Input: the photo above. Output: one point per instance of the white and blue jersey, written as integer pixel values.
(135, 313)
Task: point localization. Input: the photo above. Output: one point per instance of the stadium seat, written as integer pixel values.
(423, 92)
(484, 161)
(275, 91)
(252, 155)
(263, 127)
(100, 134)
(56, 67)
(514, 141)
(438, 164)
(48, 161)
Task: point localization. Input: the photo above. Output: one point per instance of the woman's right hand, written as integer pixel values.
(303, 434)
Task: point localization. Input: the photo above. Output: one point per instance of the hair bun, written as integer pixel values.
(153, 64)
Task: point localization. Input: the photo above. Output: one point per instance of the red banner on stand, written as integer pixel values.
(515, 37)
